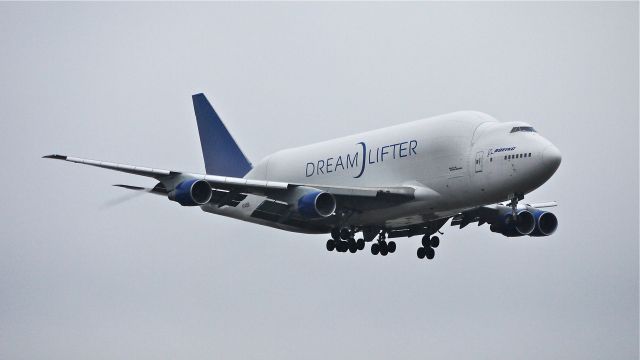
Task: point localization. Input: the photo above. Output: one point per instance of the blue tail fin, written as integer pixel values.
(222, 156)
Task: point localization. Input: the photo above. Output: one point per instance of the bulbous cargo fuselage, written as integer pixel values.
(455, 162)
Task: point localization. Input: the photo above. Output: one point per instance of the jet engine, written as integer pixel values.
(523, 224)
(191, 193)
(546, 223)
(316, 204)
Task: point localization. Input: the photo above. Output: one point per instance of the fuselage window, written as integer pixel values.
(523, 128)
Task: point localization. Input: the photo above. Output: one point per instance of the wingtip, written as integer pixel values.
(55, 156)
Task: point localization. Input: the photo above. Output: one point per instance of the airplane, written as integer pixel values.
(399, 181)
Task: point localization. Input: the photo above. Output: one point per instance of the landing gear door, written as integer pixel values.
(479, 160)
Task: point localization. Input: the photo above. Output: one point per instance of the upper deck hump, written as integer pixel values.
(446, 123)
(457, 124)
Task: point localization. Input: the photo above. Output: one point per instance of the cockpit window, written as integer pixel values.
(523, 128)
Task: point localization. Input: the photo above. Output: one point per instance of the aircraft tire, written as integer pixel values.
(375, 248)
(341, 246)
(434, 242)
(360, 243)
(430, 253)
(331, 245)
(425, 241)
(353, 246)
(421, 253)
(392, 247)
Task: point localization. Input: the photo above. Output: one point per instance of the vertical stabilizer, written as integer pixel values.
(222, 156)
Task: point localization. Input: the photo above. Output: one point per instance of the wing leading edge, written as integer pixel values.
(357, 198)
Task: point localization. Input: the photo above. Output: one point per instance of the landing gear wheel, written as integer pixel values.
(430, 253)
(353, 247)
(375, 248)
(345, 234)
(360, 244)
(421, 253)
(384, 248)
(434, 242)
(341, 246)
(331, 245)
(392, 247)
(335, 234)
(425, 241)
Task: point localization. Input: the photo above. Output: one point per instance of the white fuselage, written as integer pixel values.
(455, 162)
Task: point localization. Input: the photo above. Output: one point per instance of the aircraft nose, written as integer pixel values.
(551, 158)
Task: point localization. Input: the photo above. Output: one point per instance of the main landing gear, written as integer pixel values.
(383, 247)
(428, 246)
(343, 240)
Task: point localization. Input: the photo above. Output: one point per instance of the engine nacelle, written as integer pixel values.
(316, 204)
(191, 193)
(524, 223)
(546, 223)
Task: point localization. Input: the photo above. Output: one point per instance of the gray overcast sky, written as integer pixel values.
(147, 279)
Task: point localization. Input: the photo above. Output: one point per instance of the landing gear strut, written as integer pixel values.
(514, 205)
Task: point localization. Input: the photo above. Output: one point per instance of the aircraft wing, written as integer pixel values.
(357, 198)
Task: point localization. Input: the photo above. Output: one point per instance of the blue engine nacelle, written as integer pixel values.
(546, 223)
(191, 193)
(316, 204)
(505, 224)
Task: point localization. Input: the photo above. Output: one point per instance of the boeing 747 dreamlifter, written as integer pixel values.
(399, 181)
